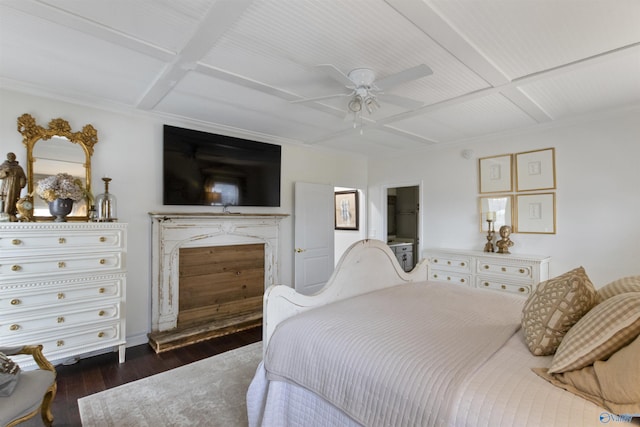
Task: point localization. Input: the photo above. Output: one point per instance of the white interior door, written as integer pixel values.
(313, 236)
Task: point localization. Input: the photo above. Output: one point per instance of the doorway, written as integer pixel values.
(403, 221)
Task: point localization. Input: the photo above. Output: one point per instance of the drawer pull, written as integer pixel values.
(448, 262)
(486, 267)
(60, 343)
(103, 261)
(62, 240)
(16, 267)
(61, 264)
(521, 289)
(462, 264)
(101, 313)
(60, 319)
(103, 239)
(15, 301)
(503, 287)
(504, 269)
(101, 291)
(60, 295)
(14, 327)
(435, 276)
(461, 280)
(486, 283)
(16, 241)
(100, 334)
(448, 278)
(522, 270)
(435, 261)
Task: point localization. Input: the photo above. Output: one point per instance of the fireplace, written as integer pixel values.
(207, 275)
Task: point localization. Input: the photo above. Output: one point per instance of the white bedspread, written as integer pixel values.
(396, 356)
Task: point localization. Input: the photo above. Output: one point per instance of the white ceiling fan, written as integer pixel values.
(366, 92)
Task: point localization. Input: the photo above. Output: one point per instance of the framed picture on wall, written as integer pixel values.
(502, 207)
(495, 174)
(536, 213)
(346, 210)
(536, 170)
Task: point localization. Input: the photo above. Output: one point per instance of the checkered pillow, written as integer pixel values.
(554, 307)
(608, 327)
(620, 286)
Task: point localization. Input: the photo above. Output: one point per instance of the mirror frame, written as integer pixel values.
(32, 133)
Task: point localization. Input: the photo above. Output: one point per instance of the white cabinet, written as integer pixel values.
(503, 272)
(404, 254)
(63, 285)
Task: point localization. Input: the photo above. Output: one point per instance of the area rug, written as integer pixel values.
(210, 392)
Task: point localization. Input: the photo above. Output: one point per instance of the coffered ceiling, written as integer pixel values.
(241, 65)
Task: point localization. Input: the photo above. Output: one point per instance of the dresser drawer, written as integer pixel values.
(449, 262)
(450, 276)
(62, 264)
(29, 296)
(503, 269)
(63, 240)
(497, 284)
(70, 342)
(51, 320)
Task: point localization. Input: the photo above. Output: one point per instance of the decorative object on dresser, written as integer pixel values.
(24, 205)
(505, 242)
(63, 285)
(58, 148)
(13, 181)
(491, 217)
(511, 273)
(106, 205)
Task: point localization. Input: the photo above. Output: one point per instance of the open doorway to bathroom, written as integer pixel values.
(403, 222)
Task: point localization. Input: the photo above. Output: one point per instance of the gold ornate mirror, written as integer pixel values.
(54, 150)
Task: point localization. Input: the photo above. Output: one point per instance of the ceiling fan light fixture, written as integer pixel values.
(371, 104)
(355, 105)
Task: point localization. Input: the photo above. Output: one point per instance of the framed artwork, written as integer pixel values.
(536, 213)
(495, 174)
(502, 208)
(536, 170)
(346, 208)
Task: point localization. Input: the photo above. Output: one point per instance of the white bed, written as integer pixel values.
(485, 380)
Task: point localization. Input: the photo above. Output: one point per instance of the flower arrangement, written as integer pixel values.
(60, 186)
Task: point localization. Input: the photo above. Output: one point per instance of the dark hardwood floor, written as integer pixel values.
(102, 372)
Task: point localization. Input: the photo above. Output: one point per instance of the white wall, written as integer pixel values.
(597, 196)
(130, 151)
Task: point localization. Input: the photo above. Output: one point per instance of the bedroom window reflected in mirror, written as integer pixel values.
(502, 205)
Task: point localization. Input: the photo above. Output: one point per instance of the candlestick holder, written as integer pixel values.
(490, 234)
(106, 204)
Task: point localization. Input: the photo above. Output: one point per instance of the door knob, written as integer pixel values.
(299, 250)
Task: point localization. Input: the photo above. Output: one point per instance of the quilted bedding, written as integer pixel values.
(398, 356)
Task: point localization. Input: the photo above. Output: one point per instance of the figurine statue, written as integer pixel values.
(13, 181)
(505, 243)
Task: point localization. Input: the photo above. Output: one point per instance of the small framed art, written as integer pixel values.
(346, 210)
(495, 174)
(502, 208)
(536, 213)
(536, 170)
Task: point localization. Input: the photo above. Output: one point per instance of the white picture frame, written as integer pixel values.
(536, 213)
(495, 174)
(536, 170)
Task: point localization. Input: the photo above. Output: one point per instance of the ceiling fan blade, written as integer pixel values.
(400, 101)
(336, 74)
(407, 75)
(320, 98)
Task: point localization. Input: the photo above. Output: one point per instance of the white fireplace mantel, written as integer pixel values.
(172, 231)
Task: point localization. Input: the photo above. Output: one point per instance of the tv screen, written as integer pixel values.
(207, 169)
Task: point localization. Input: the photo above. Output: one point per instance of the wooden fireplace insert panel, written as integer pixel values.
(220, 282)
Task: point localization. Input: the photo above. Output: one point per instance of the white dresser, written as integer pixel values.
(515, 273)
(63, 285)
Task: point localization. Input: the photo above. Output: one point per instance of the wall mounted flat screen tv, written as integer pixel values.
(202, 168)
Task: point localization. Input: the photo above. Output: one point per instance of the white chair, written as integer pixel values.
(34, 391)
